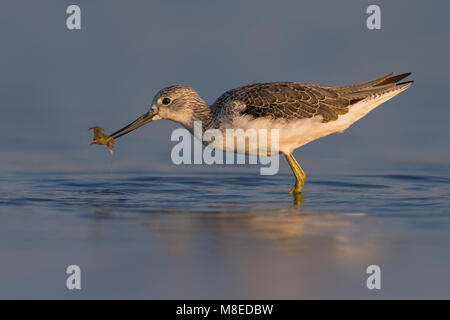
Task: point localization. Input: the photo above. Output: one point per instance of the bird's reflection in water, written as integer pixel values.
(283, 229)
(240, 246)
(277, 225)
(299, 199)
(103, 211)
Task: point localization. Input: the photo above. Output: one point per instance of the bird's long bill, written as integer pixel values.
(139, 122)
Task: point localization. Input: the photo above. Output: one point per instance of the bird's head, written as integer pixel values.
(176, 103)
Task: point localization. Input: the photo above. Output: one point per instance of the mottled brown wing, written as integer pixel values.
(285, 100)
(298, 100)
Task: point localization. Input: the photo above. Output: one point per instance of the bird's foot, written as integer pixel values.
(297, 188)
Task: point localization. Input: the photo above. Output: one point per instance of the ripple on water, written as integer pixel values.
(233, 192)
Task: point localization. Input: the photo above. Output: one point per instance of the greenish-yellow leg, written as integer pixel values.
(300, 176)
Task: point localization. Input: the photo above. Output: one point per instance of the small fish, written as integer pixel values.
(102, 139)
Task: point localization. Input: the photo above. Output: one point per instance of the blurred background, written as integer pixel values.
(57, 83)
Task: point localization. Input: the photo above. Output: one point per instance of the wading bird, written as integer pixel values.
(302, 112)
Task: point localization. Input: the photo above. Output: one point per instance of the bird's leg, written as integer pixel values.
(300, 175)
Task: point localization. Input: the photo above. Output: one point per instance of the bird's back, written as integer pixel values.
(299, 100)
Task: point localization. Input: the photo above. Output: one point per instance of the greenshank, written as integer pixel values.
(302, 112)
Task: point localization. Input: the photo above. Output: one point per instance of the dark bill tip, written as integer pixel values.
(144, 119)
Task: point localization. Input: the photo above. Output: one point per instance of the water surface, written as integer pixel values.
(224, 235)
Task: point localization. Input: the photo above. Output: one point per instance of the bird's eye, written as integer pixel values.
(166, 101)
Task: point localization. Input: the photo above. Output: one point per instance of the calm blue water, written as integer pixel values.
(225, 234)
